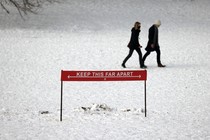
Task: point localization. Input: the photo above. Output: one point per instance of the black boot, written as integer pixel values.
(143, 67)
(161, 66)
(123, 65)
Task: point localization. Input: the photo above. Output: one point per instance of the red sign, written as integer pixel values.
(125, 75)
(121, 75)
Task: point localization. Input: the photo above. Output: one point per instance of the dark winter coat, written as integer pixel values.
(153, 39)
(134, 41)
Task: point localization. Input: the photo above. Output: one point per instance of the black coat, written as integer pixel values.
(134, 41)
(153, 38)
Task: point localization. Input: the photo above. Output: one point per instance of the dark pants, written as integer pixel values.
(130, 54)
(158, 56)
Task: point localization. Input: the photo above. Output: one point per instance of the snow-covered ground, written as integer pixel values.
(92, 35)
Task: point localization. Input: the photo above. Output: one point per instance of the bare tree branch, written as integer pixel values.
(17, 6)
(5, 8)
(24, 6)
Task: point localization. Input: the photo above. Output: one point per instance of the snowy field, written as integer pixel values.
(92, 35)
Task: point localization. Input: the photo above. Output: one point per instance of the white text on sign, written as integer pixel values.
(104, 74)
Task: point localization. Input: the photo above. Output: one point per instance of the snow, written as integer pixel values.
(92, 35)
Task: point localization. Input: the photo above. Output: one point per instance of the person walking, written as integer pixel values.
(134, 45)
(153, 44)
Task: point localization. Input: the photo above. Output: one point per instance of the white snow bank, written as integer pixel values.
(93, 35)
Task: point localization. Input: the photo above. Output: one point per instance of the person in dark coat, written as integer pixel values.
(153, 44)
(134, 44)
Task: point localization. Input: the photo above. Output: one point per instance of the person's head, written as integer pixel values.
(157, 23)
(137, 25)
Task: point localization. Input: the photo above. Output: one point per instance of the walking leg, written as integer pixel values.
(158, 59)
(145, 56)
(158, 56)
(126, 59)
(140, 57)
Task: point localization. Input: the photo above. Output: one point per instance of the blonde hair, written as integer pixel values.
(136, 25)
(158, 22)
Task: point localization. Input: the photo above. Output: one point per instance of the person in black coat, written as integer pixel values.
(153, 44)
(134, 45)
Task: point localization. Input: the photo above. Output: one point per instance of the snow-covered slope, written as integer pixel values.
(92, 35)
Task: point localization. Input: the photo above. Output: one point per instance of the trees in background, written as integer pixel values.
(23, 6)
